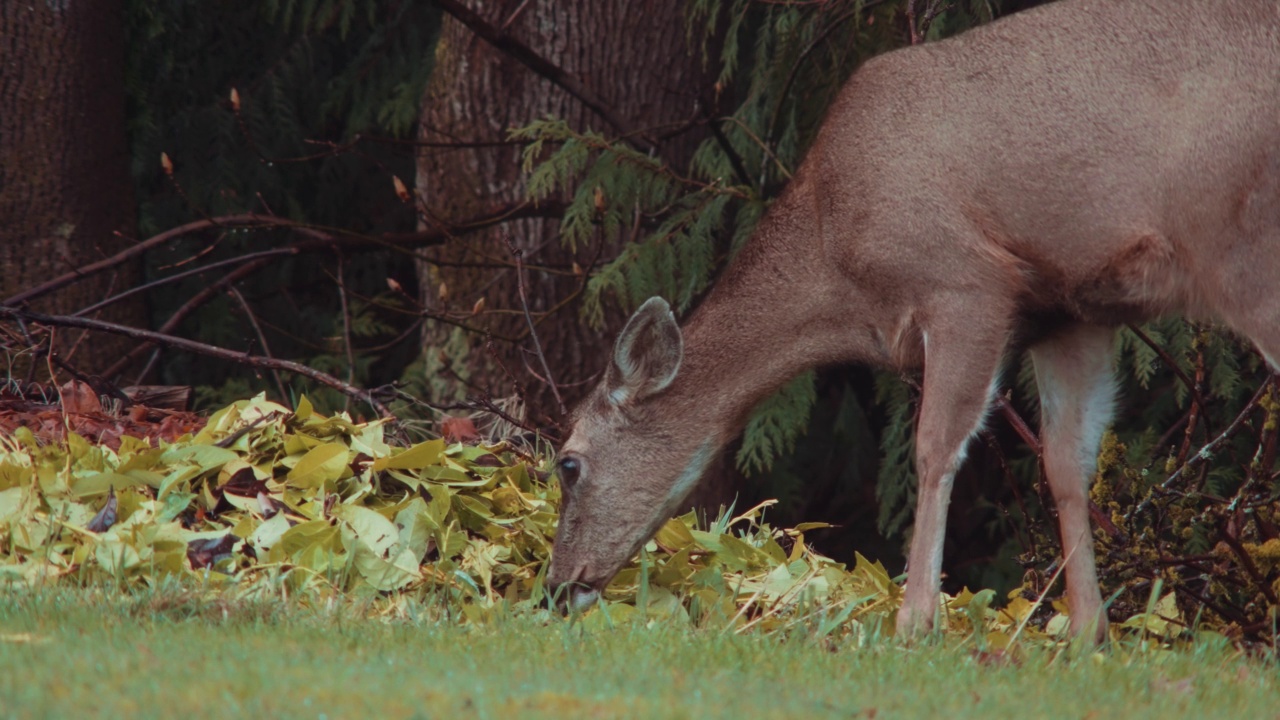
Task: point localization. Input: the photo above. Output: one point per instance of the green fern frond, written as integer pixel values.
(776, 423)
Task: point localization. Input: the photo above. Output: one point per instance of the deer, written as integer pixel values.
(1028, 185)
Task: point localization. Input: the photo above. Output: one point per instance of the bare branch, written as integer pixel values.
(182, 275)
(346, 321)
(518, 254)
(194, 303)
(318, 238)
(1205, 452)
(262, 339)
(198, 348)
(1019, 425)
(1169, 362)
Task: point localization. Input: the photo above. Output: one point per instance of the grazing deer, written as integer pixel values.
(1032, 184)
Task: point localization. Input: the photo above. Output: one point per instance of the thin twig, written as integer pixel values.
(518, 254)
(1246, 563)
(1169, 362)
(804, 55)
(346, 325)
(198, 348)
(1029, 543)
(735, 160)
(75, 346)
(1019, 425)
(1204, 454)
(183, 275)
(262, 338)
(473, 404)
(135, 250)
(764, 147)
(194, 303)
(320, 238)
(404, 335)
(1197, 408)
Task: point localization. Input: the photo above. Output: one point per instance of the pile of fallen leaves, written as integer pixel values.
(265, 500)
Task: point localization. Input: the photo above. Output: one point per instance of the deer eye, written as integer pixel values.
(569, 468)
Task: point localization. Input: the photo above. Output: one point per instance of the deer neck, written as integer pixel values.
(762, 326)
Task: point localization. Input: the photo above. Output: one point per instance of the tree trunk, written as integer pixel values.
(64, 162)
(630, 53)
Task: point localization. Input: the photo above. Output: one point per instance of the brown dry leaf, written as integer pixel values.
(459, 429)
(79, 398)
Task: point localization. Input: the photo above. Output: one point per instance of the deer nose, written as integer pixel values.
(581, 598)
(573, 595)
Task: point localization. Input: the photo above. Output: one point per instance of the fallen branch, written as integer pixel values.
(198, 348)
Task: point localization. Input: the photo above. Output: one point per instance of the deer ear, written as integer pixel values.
(647, 354)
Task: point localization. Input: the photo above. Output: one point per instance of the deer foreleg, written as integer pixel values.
(960, 379)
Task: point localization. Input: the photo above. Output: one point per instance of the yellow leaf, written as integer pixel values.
(99, 484)
(269, 533)
(322, 464)
(419, 456)
(1057, 625)
(303, 410)
(674, 535)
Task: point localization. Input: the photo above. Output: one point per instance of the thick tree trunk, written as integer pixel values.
(64, 164)
(632, 54)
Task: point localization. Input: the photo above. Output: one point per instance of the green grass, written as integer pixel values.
(78, 654)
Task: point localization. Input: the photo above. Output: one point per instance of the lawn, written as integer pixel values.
(81, 654)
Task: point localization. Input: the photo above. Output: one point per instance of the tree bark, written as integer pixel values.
(633, 55)
(65, 188)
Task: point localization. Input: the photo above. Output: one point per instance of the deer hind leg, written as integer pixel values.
(961, 368)
(1077, 396)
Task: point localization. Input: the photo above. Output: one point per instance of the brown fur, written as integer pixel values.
(1037, 180)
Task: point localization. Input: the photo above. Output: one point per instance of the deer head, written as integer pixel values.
(624, 468)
